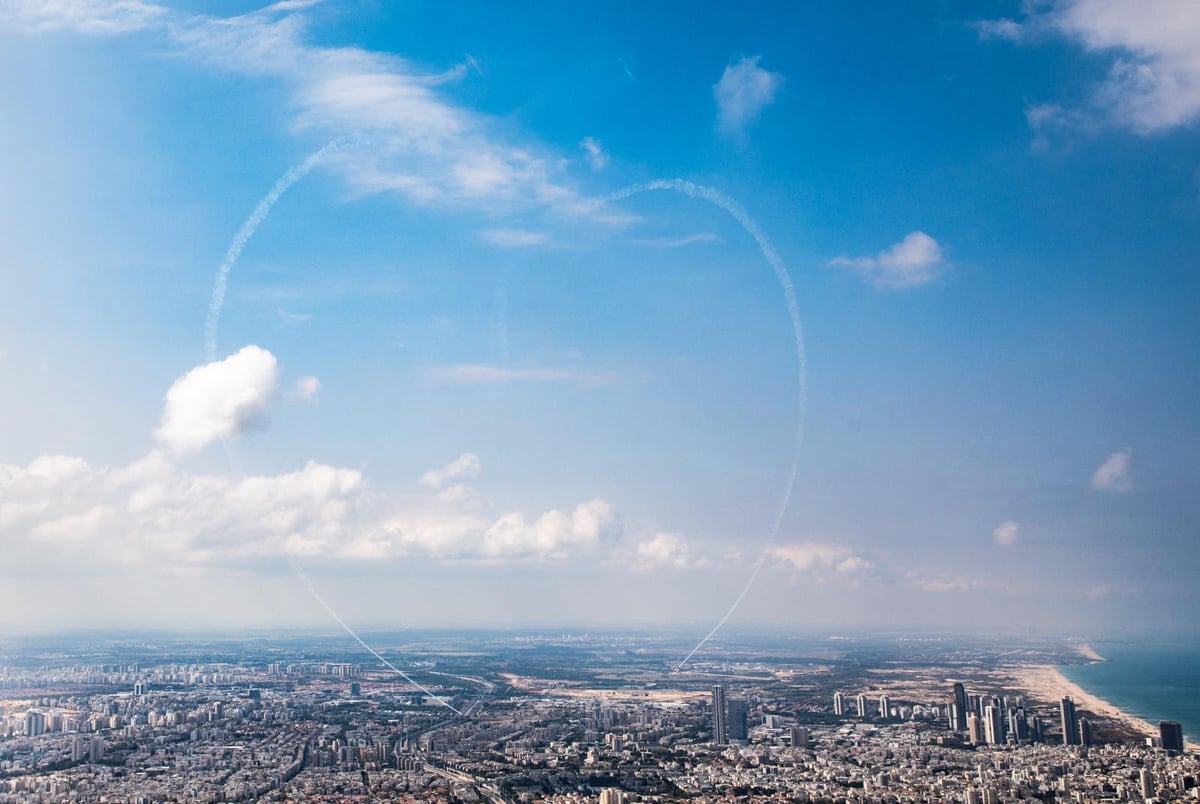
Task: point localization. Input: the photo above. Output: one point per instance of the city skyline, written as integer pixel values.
(472, 366)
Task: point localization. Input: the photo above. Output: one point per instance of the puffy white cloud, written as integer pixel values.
(465, 466)
(219, 400)
(916, 260)
(819, 557)
(1116, 473)
(153, 516)
(744, 90)
(1006, 534)
(662, 550)
(594, 152)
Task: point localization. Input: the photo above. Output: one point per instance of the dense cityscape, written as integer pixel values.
(509, 717)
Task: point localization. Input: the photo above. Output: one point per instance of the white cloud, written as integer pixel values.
(744, 90)
(396, 130)
(940, 585)
(154, 517)
(82, 16)
(662, 550)
(486, 374)
(292, 318)
(219, 400)
(1006, 534)
(594, 152)
(916, 260)
(817, 557)
(306, 388)
(514, 238)
(1115, 474)
(464, 467)
(1153, 79)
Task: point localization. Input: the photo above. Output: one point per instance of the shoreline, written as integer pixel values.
(1047, 683)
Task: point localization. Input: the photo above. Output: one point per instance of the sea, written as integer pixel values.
(1152, 680)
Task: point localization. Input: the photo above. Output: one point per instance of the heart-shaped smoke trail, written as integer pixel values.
(709, 194)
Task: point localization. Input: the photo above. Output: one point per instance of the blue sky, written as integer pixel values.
(989, 212)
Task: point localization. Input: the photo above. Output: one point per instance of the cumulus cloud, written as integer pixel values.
(662, 550)
(152, 514)
(594, 152)
(1153, 78)
(916, 260)
(1115, 474)
(219, 400)
(744, 90)
(464, 467)
(819, 557)
(1006, 534)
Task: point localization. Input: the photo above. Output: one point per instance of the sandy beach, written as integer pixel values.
(1046, 683)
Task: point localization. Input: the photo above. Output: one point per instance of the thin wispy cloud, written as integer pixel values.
(594, 153)
(1115, 474)
(396, 132)
(1153, 78)
(489, 374)
(678, 242)
(745, 89)
(465, 467)
(514, 238)
(914, 261)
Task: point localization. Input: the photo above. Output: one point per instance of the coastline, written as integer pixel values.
(1046, 683)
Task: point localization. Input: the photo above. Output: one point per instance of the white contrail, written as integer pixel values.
(328, 608)
(261, 210)
(752, 228)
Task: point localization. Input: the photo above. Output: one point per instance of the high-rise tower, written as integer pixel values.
(960, 707)
(1070, 725)
(720, 727)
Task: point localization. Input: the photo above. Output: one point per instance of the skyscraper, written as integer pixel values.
(885, 707)
(1147, 780)
(720, 730)
(1171, 734)
(975, 728)
(960, 707)
(839, 704)
(737, 719)
(799, 737)
(993, 725)
(1085, 731)
(861, 701)
(1070, 725)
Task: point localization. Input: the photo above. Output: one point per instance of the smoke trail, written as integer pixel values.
(261, 210)
(296, 568)
(752, 228)
(260, 213)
